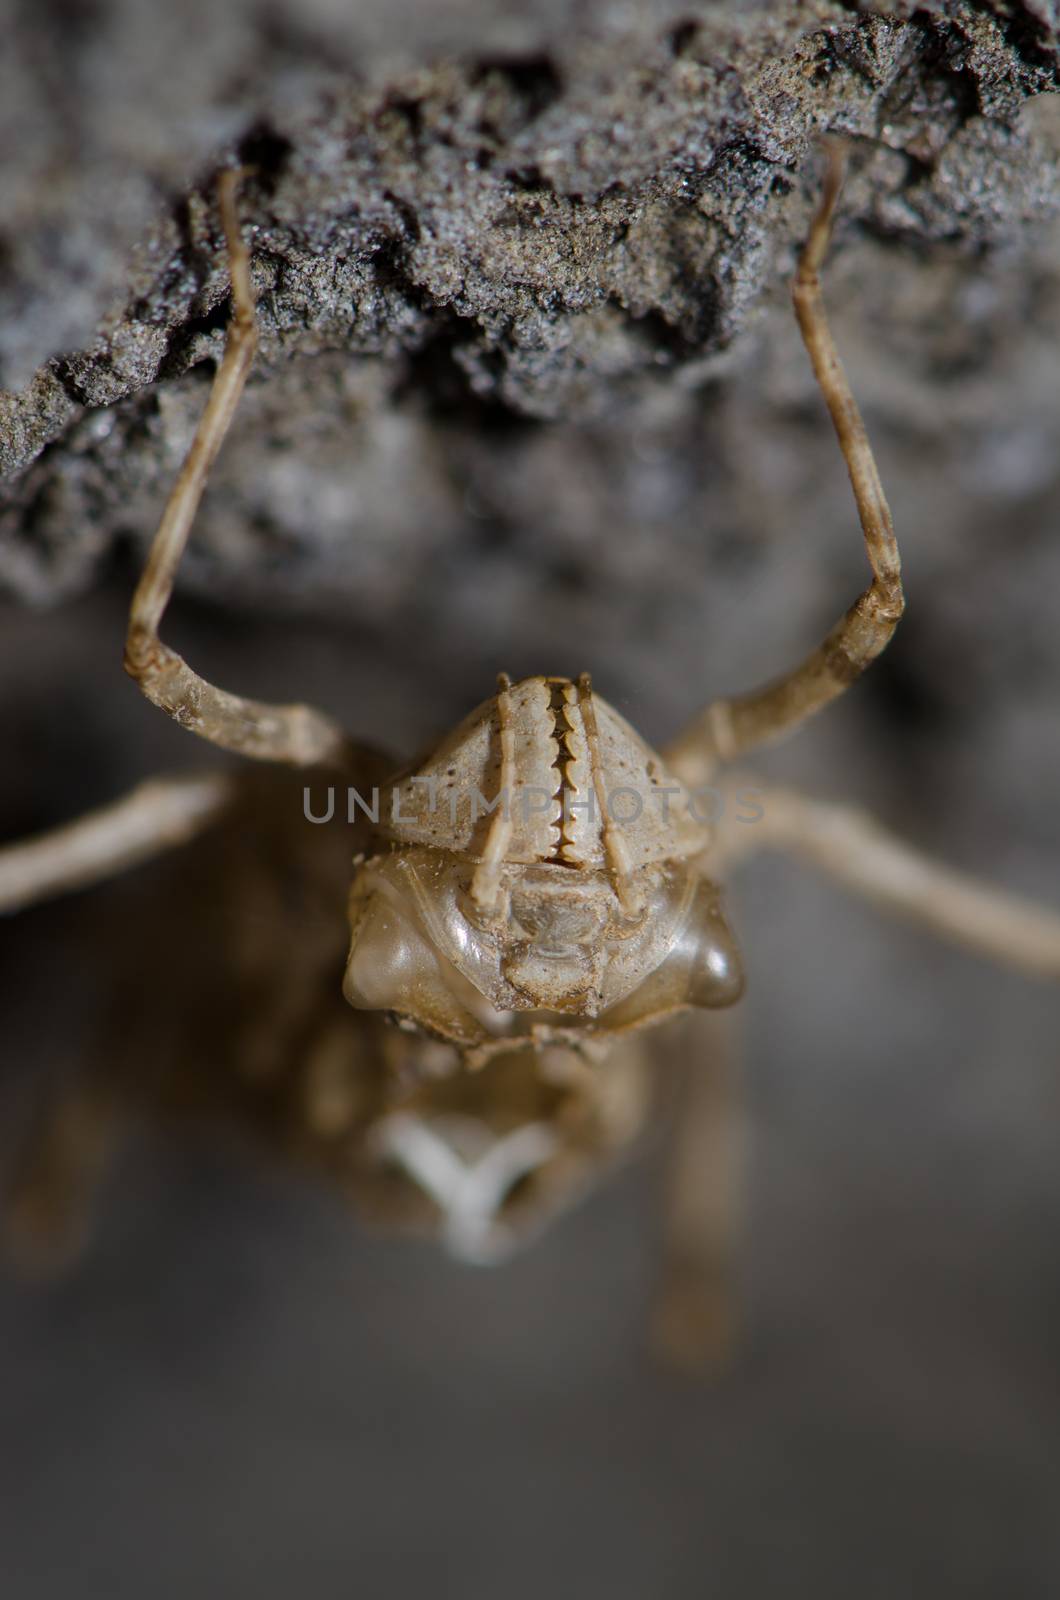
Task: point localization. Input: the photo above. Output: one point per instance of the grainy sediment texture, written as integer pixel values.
(565, 212)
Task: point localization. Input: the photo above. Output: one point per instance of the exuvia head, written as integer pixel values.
(576, 917)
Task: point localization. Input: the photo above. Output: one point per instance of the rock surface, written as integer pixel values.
(466, 221)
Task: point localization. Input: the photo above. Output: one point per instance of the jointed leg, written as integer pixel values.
(47, 1210)
(156, 816)
(860, 853)
(695, 1315)
(729, 727)
(294, 734)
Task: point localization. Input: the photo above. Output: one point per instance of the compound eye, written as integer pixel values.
(710, 953)
(388, 961)
(393, 967)
(702, 968)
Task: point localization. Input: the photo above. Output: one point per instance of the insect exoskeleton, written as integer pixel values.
(485, 1160)
(544, 882)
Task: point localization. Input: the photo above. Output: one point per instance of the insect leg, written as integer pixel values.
(694, 1322)
(157, 815)
(860, 853)
(46, 1210)
(727, 728)
(294, 734)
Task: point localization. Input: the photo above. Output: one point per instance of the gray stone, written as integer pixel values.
(467, 220)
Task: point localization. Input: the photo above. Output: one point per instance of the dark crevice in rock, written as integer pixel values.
(682, 36)
(266, 152)
(181, 339)
(534, 81)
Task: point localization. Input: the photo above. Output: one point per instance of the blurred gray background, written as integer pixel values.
(531, 396)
